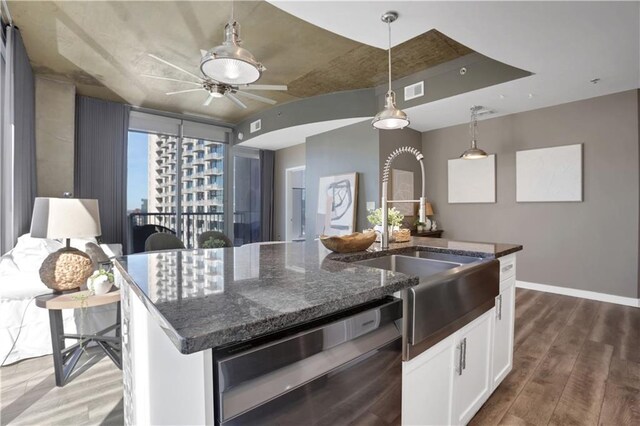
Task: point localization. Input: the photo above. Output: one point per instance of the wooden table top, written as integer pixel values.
(76, 300)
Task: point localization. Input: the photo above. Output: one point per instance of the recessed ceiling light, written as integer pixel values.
(502, 96)
(530, 95)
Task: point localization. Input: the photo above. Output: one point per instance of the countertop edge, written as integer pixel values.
(188, 345)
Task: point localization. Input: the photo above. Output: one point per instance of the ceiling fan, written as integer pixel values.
(217, 89)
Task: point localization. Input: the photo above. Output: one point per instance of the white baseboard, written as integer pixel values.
(585, 294)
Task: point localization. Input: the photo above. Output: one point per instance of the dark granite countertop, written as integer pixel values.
(209, 298)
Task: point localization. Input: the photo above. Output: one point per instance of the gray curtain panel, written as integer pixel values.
(101, 162)
(18, 151)
(267, 166)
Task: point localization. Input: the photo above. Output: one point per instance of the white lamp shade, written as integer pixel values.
(65, 218)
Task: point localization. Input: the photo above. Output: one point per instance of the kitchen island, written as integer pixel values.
(180, 306)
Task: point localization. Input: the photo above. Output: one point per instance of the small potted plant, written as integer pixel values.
(100, 282)
(421, 226)
(394, 219)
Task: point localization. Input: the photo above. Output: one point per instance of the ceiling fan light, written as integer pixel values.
(230, 63)
(390, 118)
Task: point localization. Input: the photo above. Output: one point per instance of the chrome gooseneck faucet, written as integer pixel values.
(384, 238)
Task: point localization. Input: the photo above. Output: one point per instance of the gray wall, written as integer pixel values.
(592, 245)
(55, 121)
(285, 158)
(352, 148)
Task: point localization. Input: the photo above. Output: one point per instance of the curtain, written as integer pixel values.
(267, 166)
(18, 142)
(101, 162)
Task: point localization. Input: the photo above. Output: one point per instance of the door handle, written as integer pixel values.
(500, 308)
(460, 355)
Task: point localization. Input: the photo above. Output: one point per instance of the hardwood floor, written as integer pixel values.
(576, 361)
(29, 396)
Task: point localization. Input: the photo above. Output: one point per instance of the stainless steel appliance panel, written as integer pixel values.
(253, 378)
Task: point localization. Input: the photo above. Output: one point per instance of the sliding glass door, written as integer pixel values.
(202, 206)
(175, 179)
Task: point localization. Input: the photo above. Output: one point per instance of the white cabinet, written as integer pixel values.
(422, 402)
(503, 323)
(503, 332)
(448, 383)
(471, 384)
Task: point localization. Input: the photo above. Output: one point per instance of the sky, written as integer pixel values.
(137, 169)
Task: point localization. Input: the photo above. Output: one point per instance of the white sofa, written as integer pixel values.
(20, 283)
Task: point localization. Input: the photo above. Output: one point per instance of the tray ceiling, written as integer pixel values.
(102, 47)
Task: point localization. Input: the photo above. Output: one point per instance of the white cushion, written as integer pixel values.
(28, 254)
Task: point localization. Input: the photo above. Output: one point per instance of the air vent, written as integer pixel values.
(256, 126)
(414, 91)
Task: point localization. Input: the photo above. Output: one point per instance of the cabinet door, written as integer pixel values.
(503, 333)
(471, 382)
(426, 386)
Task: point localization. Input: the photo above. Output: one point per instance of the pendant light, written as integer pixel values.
(474, 153)
(390, 117)
(230, 63)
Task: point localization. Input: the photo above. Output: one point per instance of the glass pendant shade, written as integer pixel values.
(230, 63)
(390, 118)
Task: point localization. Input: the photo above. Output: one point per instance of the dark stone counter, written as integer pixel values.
(209, 298)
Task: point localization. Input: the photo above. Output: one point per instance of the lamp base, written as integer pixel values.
(66, 269)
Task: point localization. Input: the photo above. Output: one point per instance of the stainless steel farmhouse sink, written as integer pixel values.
(453, 291)
(418, 263)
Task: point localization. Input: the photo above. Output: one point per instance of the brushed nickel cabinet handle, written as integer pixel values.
(507, 268)
(464, 354)
(460, 359)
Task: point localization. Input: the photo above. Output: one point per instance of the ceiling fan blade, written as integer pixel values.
(235, 100)
(157, 58)
(208, 101)
(184, 91)
(265, 87)
(256, 97)
(157, 77)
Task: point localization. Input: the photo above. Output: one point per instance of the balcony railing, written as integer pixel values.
(193, 224)
(246, 225)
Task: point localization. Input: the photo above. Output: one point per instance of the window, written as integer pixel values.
(154, 151)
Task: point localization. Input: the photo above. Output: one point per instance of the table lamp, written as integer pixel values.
(428, 209)
(53, 218)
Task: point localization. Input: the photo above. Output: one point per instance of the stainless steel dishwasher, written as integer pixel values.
(344, 369)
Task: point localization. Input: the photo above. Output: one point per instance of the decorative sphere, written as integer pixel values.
(66, 269)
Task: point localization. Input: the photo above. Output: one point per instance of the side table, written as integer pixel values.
(65, 359)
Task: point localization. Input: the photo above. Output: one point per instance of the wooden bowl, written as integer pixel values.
(357, 241)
